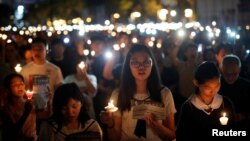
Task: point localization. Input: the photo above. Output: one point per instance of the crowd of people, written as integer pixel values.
(171, 92)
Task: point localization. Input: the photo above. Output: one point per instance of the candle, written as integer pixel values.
(81, 65)
(29, 94)
(18, 68)
(224, 119)
(111, 107)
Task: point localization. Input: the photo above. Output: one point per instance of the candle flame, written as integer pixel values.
(81, 65)
(18, 68)
(29, 94)
(223, 119)
(111, 107)
(224, 114)
(29, 91)
(110, 104)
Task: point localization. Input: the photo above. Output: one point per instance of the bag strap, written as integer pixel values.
(89, 126)
(51, 124)
(162, 87)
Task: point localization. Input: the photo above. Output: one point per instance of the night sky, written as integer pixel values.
(95, 2)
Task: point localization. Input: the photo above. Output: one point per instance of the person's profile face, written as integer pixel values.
(230, 72)
(219, 56)
(28, 55)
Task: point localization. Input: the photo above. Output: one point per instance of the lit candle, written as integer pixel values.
(81, 65)
(18, 68)
(111, 107)
(224, 119)
(29, 94)
(199, 48)
(134, 40)
(122, 45)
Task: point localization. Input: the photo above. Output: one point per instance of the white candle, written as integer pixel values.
(81, 65)
(29, 94)
(224, 119)
(111, 107)
(18, 68)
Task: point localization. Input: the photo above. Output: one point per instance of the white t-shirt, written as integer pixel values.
(39, 78)
(82, 84)
(129, 124)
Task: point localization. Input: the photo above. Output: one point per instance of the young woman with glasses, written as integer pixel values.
(140, 87)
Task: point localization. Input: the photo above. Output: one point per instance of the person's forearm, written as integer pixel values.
(114, 130)
(45, 113)
(113, 135)
(107, 71)
(173, 56)
(110, 64)
(164, 132)
(91, 90)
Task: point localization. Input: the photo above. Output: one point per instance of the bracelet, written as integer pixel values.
(113, 125)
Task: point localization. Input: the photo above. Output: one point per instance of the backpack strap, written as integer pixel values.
(89, 126)
(162, 87)
(53, 125)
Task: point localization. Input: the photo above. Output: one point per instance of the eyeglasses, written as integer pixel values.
(137, 64)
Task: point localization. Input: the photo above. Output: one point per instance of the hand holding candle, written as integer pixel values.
(29, 94)
(224, 119)
(111, 107)
(81, 65)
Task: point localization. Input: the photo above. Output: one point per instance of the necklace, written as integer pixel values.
(140, 98)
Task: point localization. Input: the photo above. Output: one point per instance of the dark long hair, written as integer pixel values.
(128, 85)
(61, 98)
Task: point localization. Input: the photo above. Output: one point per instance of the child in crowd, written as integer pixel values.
(202, 112)
(70, 120)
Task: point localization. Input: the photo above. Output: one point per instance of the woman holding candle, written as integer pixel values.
(18, 116)
(206, 109)
(140, 84)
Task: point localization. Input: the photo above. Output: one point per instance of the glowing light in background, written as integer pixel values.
(66, 40)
